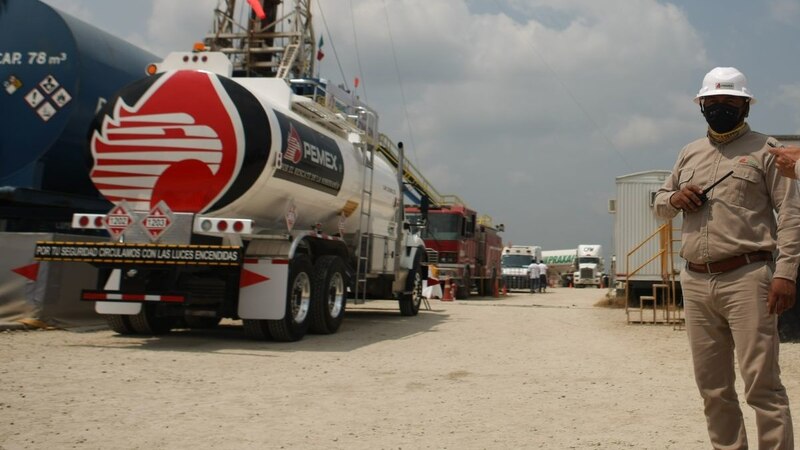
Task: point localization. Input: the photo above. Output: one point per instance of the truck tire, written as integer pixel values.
(295, 322)
(409, 303)
(119, 323)
(147, 322)
(328, 295)
(487, 284)
(465, 288)
(256, 329)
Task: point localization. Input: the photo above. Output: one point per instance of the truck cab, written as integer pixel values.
(468, 245)
(515, 262)
(588, 266)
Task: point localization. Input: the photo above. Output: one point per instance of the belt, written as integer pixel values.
(726, 265)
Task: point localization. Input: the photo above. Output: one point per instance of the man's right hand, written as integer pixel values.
(687, 199)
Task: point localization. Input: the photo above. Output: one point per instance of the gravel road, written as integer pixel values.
(525, 371)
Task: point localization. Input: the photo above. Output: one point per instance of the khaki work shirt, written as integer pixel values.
(739, 216)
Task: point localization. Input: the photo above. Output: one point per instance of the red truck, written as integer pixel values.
(469, 246)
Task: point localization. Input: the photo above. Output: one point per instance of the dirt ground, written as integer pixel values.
(524, 371)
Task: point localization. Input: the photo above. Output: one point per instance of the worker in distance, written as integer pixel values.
(741, 242)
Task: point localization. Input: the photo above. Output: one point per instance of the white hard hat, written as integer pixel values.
(724, 81)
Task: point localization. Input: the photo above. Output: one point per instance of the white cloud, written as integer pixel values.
(177, 25)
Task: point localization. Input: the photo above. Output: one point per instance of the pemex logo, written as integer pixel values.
(181, 141)
(294, 146)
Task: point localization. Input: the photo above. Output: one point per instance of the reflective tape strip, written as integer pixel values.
(115, 296)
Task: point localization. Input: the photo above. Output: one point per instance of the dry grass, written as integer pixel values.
(611, 300)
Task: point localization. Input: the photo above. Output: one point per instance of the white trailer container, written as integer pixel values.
(560, 265)
(634, 222)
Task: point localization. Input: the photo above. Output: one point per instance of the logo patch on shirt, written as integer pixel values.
(749, 161)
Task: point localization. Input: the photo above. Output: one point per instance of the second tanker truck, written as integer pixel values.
(253, 198)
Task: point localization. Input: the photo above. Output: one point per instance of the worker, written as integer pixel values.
(733, 289)
(542, 276)
(533, 275)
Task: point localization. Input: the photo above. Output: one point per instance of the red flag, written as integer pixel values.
(256, 5)
(356, 81)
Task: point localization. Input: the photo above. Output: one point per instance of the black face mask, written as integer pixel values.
(723, 118)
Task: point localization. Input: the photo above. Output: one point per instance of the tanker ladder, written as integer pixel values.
(364, 244)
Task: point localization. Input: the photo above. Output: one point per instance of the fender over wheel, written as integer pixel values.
(295, 322)
(328, 295)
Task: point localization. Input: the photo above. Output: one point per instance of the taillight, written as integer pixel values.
(230, 226)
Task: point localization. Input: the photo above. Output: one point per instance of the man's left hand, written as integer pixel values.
(781, 295)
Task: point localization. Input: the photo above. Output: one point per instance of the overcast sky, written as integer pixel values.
(527, 109)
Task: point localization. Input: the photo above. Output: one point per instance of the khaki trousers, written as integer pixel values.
(727, 313)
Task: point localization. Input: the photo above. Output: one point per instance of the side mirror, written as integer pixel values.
(501, 228)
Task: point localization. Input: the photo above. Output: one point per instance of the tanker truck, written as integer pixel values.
(260, 199)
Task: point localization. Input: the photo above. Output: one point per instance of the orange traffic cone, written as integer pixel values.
(447, 295)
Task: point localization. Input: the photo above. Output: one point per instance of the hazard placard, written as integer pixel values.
(118, 219)
(157, 220)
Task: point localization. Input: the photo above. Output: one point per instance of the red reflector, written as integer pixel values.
(98, 221)
(83, 221)
(222, 225)
(238, 226)
(94, 296)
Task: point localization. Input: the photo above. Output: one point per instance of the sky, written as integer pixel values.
(527, 109)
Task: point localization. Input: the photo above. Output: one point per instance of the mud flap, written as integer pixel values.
(262, 289)
(127, 309)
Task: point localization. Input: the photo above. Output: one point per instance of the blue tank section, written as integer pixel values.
(55, 72)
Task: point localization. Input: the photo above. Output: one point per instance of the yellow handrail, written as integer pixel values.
(665, 253)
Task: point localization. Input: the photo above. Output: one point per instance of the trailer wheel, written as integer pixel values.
(328, 296)
(119, 323)
(409, 303)
(295, 322)
(256, 329)
(147, 322)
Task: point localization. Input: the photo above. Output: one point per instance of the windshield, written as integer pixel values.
(516, 260)
(588, 260)
(440, 226)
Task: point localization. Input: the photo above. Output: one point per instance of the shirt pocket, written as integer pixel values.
(744, 191)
